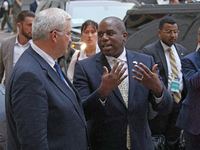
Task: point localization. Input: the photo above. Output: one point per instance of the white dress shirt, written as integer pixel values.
(44, 55)
(178, 62)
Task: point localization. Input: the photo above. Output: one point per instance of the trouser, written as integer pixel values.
(192, 142)
(5, 20)
(165, 125)
(14, 24)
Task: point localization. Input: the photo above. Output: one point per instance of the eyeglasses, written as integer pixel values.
(68, 34)
(170, 31)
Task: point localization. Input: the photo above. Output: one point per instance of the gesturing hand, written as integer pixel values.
(110, 81)
(149, 78)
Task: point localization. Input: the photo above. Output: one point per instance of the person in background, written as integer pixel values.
(116, 107)
(12, 47)
(15, 9)
(188, 119)
(161, 50)
(89, 37)
(6, 18)
(34, 5)
(174, 2)
(198, 37)
(43, 109)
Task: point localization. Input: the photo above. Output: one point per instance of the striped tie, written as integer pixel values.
(124, 92)
(177, 96)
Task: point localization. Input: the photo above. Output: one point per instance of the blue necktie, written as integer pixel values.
(56, 66)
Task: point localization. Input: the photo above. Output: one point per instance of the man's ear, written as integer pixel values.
(125, 35)
(159, 32)
(19, 25)
(198, 40)
(53, 36)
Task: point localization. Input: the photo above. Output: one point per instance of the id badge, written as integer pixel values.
(175, 84)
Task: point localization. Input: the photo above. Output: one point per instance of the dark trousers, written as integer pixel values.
(192, 142)
(165, 125)
(6, 20)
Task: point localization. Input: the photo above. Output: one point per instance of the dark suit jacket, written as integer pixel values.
(33, 6)
(189, 115)
(42, 112)
(108, 124)
(156, 50)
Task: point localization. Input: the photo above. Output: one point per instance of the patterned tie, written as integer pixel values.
(56, 66)
(177, 96)
(124, 92)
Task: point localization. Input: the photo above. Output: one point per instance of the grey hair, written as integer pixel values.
(47, 21)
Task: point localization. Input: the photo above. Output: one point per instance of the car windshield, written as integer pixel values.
(82, 11)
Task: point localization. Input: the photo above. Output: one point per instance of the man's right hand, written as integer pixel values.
(110, 81)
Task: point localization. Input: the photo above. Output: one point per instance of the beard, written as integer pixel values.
(27, 35)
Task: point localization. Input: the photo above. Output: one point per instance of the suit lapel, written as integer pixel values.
(179, 51)
(131, 59)
(102, 61)
(161, 54)
(61, 85)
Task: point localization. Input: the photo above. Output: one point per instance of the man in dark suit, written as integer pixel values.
(34, 5)
(165, 124)
(42, 107)
(118, 120)
(188, 118)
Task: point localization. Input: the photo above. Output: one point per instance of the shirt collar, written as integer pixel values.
(44, 55)
(165, 47)
(38, 2)
(122, 57)
(17, 42)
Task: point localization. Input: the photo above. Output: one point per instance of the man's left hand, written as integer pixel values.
(149, 78)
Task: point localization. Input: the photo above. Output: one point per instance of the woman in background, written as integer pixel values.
(89, 36)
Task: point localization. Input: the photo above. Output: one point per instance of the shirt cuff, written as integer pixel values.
(158, 100)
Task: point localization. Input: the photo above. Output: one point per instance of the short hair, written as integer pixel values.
(119, 23)
(23, 14)
(198, 34)
(47, 21)
(89, 23)
(168, 20)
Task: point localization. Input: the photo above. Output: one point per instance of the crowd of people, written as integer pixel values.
(105, 99)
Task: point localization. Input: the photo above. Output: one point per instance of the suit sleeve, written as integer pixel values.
(30, 110)
(191, 73)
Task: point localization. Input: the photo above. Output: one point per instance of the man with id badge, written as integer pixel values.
(167, 55)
